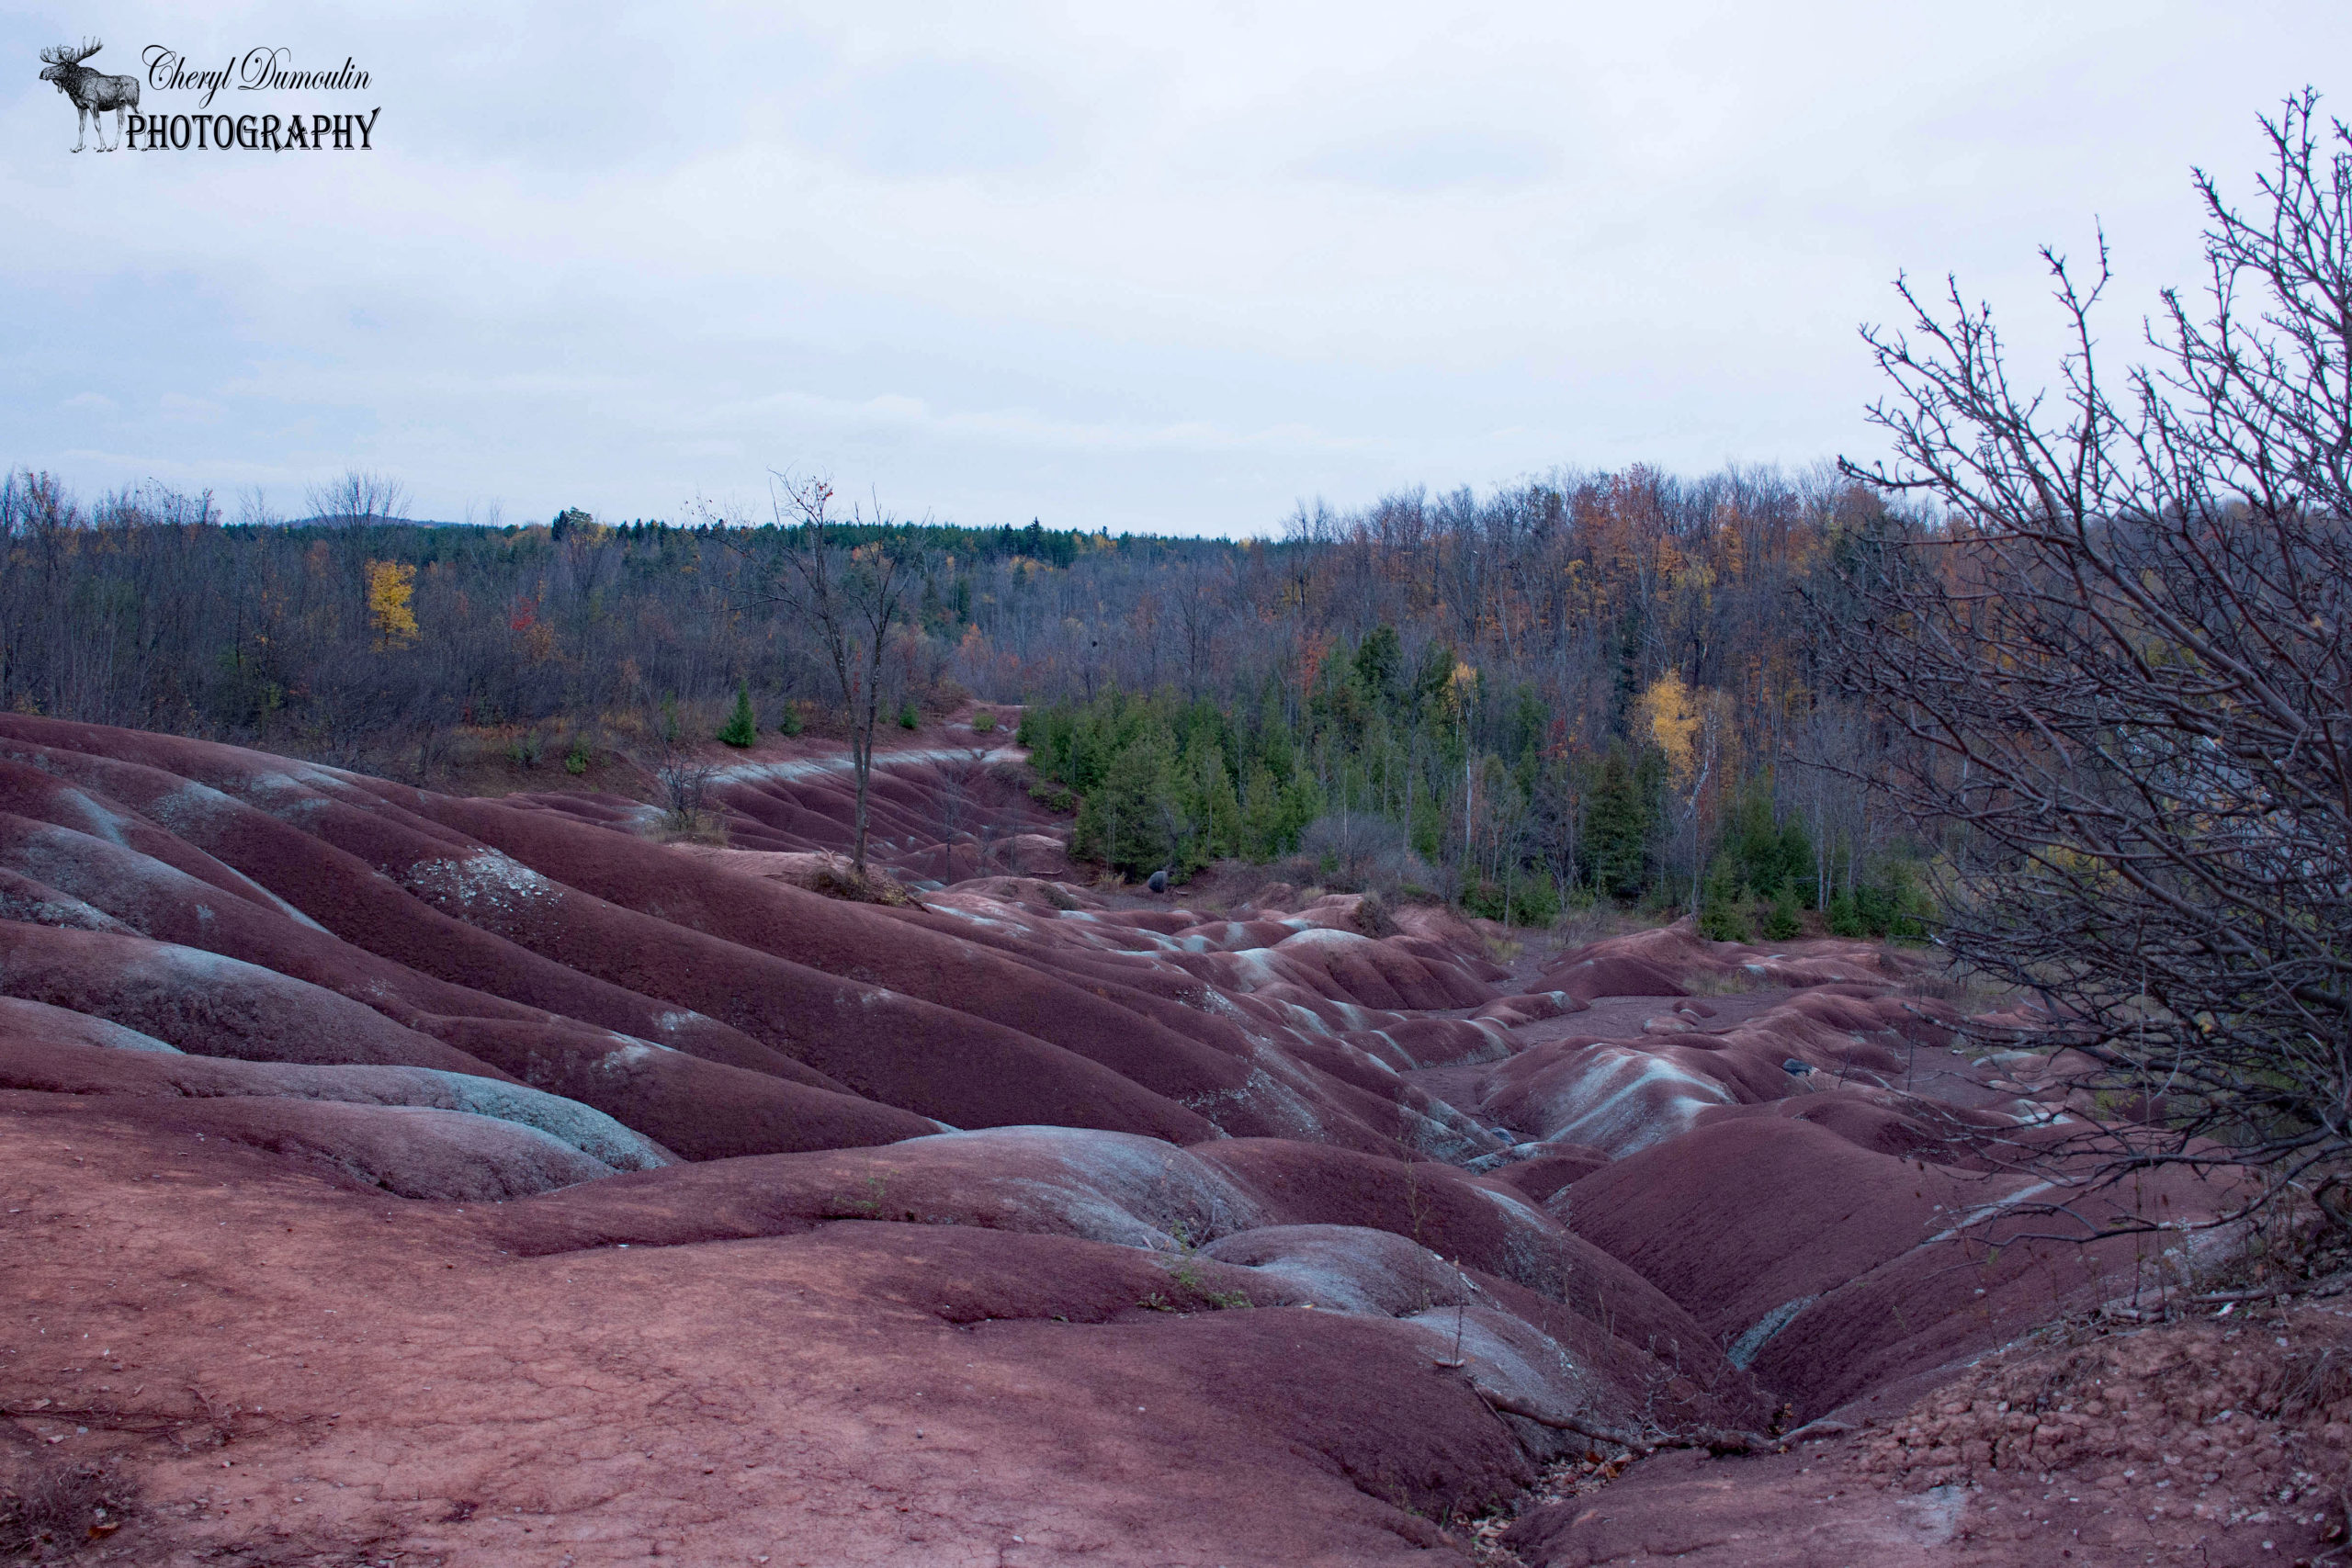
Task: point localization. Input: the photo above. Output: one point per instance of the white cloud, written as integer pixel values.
(1098, 265)
(180, 407)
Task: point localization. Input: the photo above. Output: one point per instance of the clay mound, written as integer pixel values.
(1135, 1193)
(817, 870)
(2191, 1443)
(1548, 1175)
(1070, 1314)
(407, 1151)
(1114, 1188)
(1628, 1094)
(1613, 1095)
(926, 809)
(1482, 1223)
(202, 1002)
(1679, 952)
(939, 1393)
(26, 1022)
(1886, 1123)
(1830, 1268)
(567, 950)
(947, 1219)
(1587, 975)
(1042, 894)
(1533, 1007)
(699, 1110)
(60, 1068)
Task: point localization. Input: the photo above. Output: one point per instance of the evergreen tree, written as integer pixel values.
(1130, 820)
(741, 728)
(1618, 824)
(1722, 904)
(1261, 815)
(1380, 663)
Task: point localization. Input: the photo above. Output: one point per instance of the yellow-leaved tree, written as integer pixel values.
(1675, 714)
(1688, 724)
(392, 587)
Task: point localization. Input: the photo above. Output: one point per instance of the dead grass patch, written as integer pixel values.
(49, 1505)
(692, 828)
(836, 877)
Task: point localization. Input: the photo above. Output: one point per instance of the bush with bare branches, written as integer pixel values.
(2114, 661)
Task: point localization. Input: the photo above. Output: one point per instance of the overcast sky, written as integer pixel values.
(1106, 265)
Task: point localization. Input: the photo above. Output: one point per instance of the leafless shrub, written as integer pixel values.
(853, 597)
(1732, 982)
(1354, 852)
(49, 1505)
(840, 878)
(2117, 667)
(359, 498)
(1372, 917)
(685, 781)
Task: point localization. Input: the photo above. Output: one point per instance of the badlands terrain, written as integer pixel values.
(393, 1177)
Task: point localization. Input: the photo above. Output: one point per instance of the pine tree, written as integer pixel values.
(742, 726)
(1617, 826)
(1130, 819)
(1260, 830)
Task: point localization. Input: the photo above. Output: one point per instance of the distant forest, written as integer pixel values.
(1585, 685)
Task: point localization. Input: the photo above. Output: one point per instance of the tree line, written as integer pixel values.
(1572, 686)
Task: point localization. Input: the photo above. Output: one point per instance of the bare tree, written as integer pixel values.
(850, 595)
(2116, 657)
(359, 498)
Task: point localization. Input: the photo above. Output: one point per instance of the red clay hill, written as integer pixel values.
(392, 1177)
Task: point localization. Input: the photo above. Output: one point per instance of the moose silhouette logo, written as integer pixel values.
(93, 92)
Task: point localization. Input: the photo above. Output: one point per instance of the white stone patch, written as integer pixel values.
(1508, 1356)
(1123, 1188)
(485, 882)
(102, 823)
(583, 1127)
(1985, 1212)
(1748, 1345)
(68, 1027)
(1348, 1269)
(815, 767)
(1608, 1104)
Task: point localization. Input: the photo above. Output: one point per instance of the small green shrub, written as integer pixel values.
(1722, 922)
(1785, 919)
(575, 762)
(741, 728)
(791, 723)
(1535, 902)
(526, 748)
(983, 723)
(1846, 916)
(1723, 904)
(908, 717)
